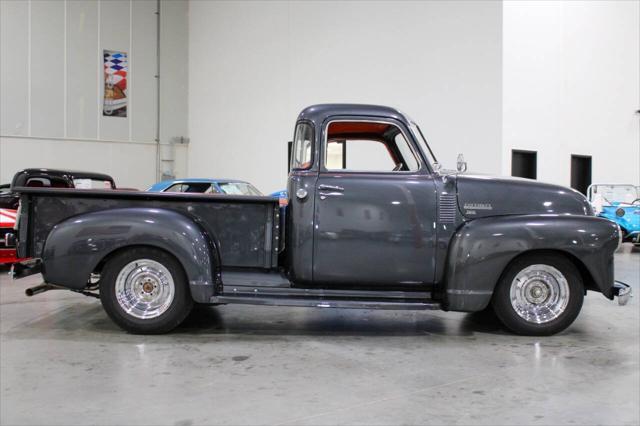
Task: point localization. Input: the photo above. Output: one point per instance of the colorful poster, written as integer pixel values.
(115, 84)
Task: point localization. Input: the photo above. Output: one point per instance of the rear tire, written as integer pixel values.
(539, 295)
(145, 291)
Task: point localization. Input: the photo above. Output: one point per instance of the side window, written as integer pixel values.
(38, 182)
(365, 155)
(302, 147)
(43, 182)
(368, 147)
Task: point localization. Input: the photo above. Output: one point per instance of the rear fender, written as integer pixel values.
(75, 247)
(481, 250)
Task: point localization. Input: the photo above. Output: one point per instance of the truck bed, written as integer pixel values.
(246, 228)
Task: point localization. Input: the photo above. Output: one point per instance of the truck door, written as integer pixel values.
(375, 207)
(300, 211)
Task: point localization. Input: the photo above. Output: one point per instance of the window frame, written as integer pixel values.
(399, 125)
(312, 150)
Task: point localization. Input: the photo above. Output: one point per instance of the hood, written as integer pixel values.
(483, 196)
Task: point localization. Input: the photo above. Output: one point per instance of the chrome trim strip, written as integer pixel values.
(469, 292)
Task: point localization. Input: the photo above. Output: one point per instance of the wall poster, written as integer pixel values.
(115, 83)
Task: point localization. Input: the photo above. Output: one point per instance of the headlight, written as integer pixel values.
(620, 212)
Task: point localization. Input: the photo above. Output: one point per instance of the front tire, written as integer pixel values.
(145, 291)
(539, 295)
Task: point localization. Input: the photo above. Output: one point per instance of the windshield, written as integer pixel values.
(238, 188)
(609, 194)
(423, 144)
(193, 187)
(82, 183)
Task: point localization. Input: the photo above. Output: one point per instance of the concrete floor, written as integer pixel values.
(62, 361)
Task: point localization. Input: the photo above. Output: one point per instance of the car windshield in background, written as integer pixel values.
(193, 187)
(91, 184)
(238, 188)
(616, 193)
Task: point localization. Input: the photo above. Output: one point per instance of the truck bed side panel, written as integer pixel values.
(243, 228)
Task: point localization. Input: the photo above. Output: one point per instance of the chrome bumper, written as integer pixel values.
(622, 292)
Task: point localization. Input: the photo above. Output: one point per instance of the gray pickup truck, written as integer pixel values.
(372, 222)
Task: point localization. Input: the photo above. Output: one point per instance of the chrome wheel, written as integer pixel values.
(539, 293)
(144, 288)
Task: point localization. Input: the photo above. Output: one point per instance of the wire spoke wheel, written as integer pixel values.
(539, 293)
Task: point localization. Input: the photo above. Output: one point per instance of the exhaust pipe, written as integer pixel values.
(32, 291)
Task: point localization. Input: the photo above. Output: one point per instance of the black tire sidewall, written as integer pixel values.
(501, 300)
(178, 310)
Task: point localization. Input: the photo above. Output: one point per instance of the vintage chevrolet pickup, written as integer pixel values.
(372, 222)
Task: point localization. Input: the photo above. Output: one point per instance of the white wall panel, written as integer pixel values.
(47, 68)
(142, 68)
(181, 160)
(130, 164)
(114, 35)
(439, 62)
(174, 76)
(122, 147)
(14, 68)
(254, 65)
(239, 114)
(572, 86)
(82, 69)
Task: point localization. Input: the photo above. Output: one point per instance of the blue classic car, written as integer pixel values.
(621, 204)
(206, 186)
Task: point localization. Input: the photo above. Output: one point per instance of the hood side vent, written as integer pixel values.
(447, 208)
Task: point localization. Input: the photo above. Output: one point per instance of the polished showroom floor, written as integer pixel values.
(64, 362)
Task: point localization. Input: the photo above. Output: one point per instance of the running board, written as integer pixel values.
(319, 293)
(327, 302)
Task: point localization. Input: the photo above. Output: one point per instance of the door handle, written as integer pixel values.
(333, 188)
(324, 195)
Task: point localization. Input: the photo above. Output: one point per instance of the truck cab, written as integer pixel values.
(372, 222)
(360, 176)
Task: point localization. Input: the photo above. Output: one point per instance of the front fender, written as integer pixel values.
(76, 246)
(481, 250)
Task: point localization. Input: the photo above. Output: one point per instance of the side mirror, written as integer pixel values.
(461, 165)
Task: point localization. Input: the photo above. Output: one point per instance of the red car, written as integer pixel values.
(7, 221)
(45, 178)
